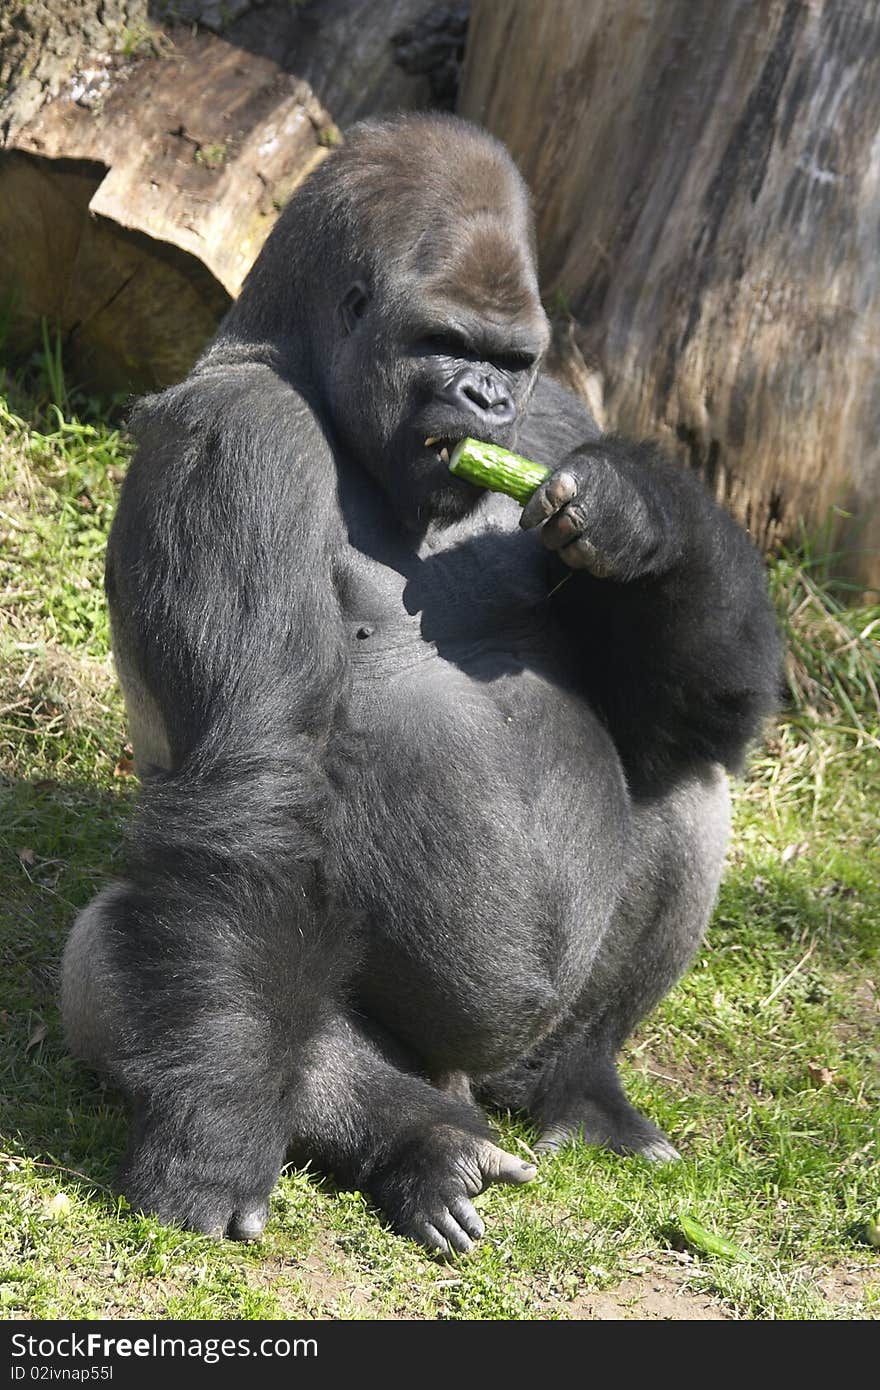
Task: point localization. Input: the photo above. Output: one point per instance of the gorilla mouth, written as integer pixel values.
(445, 445)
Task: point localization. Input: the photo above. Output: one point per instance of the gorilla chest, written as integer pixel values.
(479, 605)
(484, 811)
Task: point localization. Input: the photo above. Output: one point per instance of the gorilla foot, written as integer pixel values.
(617, 1126)
(425, 1187)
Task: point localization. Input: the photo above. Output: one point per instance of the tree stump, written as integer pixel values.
(707, 186)
(143, 164)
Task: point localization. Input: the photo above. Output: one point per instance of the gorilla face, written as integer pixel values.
(440, 336)
(437, 379)
(414, 383)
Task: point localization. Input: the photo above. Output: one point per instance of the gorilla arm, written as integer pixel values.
(211, 982)
(665, 601)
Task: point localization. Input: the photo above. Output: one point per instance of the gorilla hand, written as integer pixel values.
(214, 1187)
(425, 1185)
(599, 513)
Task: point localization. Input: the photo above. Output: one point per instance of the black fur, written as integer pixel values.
(416, 815)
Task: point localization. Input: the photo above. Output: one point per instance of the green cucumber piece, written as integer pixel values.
(488, 465)
(708, 1243)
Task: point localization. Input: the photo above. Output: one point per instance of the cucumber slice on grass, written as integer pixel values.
(708, 1243)
(488, 465)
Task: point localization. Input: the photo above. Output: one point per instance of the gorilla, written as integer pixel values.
(434, 800)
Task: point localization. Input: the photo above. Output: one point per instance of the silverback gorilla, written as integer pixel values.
(421, 825)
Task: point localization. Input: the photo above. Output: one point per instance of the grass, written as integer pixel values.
(762, 1064)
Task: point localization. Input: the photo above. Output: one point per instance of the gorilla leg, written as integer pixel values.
(216, 1110)
(570, 1084)
(94, 1010)
(171, 991)
(93, 1014)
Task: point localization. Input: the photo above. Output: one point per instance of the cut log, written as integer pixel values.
(143, 166)
(132, 221)
(707, 185)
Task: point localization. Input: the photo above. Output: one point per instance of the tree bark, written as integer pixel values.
(707, 185)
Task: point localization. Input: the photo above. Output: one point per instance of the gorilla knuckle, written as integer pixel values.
(574, 519)
(561, 488)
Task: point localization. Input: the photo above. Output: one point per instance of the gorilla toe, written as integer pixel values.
(194, 1192)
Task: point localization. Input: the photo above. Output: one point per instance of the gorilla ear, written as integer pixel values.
(354, 305)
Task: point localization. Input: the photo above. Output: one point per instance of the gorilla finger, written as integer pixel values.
(583, 555)
(467, 1217)
(554, 1139)
(428, 1235)
(548, 498)
(453, 1232)
(205, 1226)
(565, 527)
(498, 1166)
(248, 1222)
(659, 1150)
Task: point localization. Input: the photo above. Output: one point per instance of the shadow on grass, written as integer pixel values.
(59, 841)
(831, 909)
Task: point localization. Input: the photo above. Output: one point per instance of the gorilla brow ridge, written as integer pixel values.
(381, 195)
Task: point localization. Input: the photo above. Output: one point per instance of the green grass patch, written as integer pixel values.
(762, 1064)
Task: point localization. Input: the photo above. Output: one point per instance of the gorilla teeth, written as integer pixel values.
(443, 453)
(432, 440)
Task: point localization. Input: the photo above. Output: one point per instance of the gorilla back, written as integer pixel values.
(434, 804)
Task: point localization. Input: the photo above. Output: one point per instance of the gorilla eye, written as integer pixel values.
(516, 361)
(447, 345)
(354, 305)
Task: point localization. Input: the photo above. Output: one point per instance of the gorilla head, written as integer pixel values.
(399, 291)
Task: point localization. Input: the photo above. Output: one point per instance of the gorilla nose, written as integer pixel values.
(483, 395)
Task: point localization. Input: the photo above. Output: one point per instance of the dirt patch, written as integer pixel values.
(656, 1296)
(316, 1286)
(654, 1068)
(863, 1014)
(56, 684)
(848, 1284)
(324, 1284)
